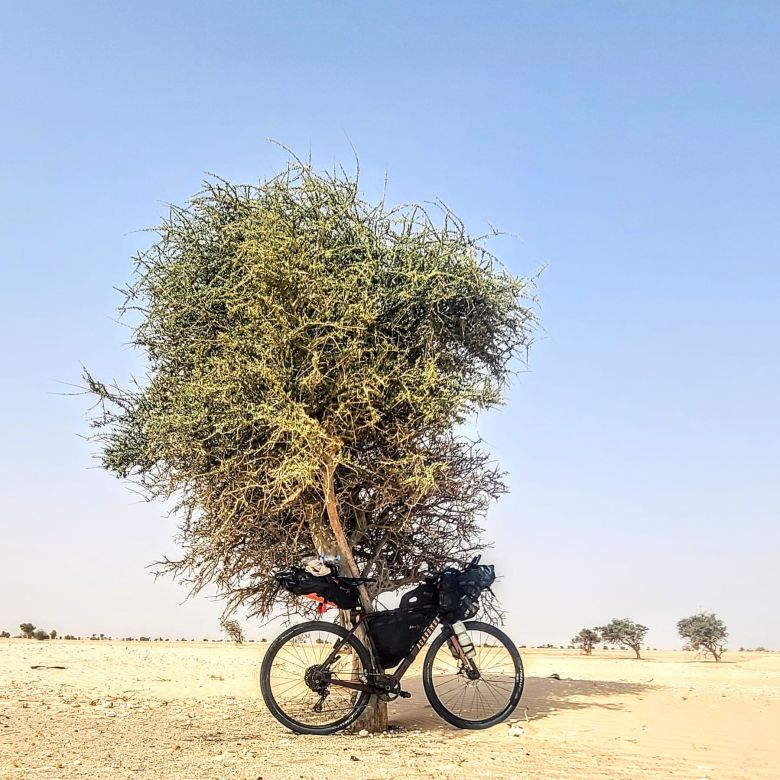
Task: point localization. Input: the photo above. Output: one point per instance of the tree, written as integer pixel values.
(625, 633)
(233, 630)
(586, 639)
(52, 634)
(704, 630)
(4, 635)
(40, 634)
(27, 629)
(311, 361)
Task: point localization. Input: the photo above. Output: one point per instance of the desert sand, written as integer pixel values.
(193, 710)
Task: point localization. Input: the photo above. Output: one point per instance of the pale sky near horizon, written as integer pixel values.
(634, 149)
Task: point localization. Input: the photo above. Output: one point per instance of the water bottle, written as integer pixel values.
(464, 639)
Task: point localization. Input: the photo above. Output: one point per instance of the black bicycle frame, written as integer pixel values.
(358, 618)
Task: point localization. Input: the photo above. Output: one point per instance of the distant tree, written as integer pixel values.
(41, 634)
(69, 636)
(625, 633)
(263, 639)
(233, 630)
(52, 634)
(4, 635)
(586, 639)
(144, 639)
(704, 631)
(27, 629)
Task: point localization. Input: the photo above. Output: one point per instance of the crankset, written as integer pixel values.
(388, 687)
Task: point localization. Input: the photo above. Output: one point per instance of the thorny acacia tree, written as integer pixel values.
(310, 359)
(704, 630)
(586, 639)
(625, 633)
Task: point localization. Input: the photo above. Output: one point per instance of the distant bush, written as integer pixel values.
(4, 635)
(761, 649)
(52, 634)
(144, 639)
(233, 630)
(40, 634)
(70, 636)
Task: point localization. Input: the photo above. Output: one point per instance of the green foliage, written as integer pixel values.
(40, 634)
(52, 634)
(293, 330)
(4, 635)
(27, 629)
(704, 631)
(586, 639)
(625, 633)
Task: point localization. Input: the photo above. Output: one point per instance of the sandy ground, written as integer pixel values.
(193, 710)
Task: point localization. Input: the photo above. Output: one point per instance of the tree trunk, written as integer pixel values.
(636, 650)
(374, 718)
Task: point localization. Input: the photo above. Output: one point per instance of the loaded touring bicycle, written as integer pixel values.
(317, 677)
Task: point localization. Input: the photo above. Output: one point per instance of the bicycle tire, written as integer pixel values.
(430, 686)
(277, 708)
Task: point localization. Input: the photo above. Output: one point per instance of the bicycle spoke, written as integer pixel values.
(484, 697)
(292, 679)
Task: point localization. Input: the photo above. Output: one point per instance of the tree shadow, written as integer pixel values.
(542, 697)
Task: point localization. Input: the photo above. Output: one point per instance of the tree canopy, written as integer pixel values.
(586, 639)
(625, 633)
(311, 360)
(704, 630)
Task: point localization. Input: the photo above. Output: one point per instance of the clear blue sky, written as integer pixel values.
(635, 149)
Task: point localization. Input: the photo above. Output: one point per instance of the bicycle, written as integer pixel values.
(317, 677)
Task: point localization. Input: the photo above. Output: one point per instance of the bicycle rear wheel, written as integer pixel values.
(464, 699)
(298, 687)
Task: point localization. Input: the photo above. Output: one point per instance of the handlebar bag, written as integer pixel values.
(472, 582)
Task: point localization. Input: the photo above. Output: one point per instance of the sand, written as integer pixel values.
(193, 710)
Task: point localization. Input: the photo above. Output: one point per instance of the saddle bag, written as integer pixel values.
(329, 590)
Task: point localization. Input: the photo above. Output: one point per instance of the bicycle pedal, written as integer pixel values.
(404, 694)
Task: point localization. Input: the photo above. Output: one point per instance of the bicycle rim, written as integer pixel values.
(301, 692)
(474, 703)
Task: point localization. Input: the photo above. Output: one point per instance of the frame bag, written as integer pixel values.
(395, 633)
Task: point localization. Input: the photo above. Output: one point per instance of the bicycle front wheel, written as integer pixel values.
(300, 686)
(469, 699)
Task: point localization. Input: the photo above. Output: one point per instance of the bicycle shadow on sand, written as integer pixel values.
(542, 697)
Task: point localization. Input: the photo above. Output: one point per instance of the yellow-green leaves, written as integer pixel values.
(291, 324)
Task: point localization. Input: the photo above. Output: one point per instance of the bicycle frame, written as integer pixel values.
(358, 618)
